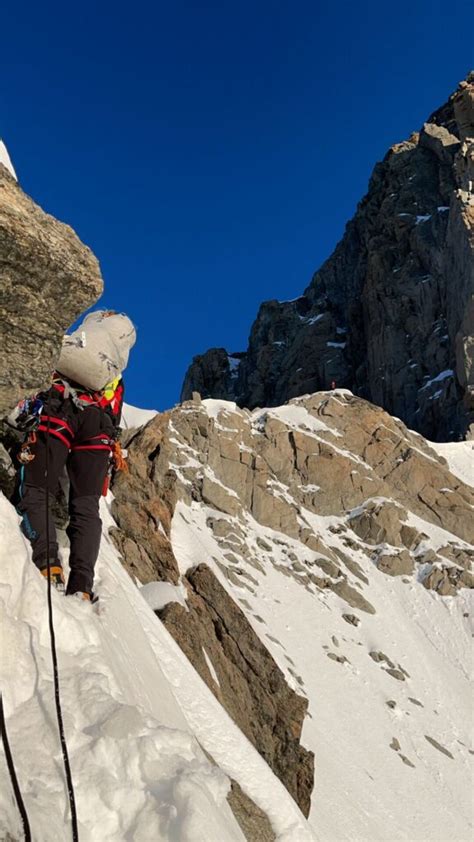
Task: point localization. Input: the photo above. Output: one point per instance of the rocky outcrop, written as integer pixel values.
(48, 277)
(246, 679)
(332, 454)
(311, 490)
(250, 685)
(390, 315)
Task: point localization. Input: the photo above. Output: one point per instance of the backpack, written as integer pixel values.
(97, 352)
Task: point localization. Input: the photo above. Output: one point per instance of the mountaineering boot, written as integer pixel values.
(56, 574)
(83, 595)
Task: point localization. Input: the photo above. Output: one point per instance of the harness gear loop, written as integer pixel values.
(118, 459)
(25, 455)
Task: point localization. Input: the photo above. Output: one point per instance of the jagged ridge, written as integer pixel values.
(390, 315)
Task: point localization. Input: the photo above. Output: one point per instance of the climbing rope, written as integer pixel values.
(12, 772)
(57, 698)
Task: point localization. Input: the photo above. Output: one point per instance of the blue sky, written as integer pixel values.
(211, 153)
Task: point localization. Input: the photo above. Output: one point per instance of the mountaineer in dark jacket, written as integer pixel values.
(78, 425)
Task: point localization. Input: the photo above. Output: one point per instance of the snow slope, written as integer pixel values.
(135, 716)
(393, 758)
(363, 790)
(460, 457)
(5, 158)
(132, 417)
(393, 752)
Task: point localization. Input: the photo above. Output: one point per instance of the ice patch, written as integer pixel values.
(159, 594)
(443, 375)
(210, 667)
(133, 417)
(215, 407)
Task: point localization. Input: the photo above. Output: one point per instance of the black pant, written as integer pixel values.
(80, 440)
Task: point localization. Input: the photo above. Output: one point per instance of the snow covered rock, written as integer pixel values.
(47, 278)
(301, 537)
(228, 654)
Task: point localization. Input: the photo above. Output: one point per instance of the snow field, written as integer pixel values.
(139, 773)
(363, 791)
(135, 714)
(460, 457)
(133, 417)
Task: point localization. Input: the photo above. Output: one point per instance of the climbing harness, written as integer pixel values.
(12, 773)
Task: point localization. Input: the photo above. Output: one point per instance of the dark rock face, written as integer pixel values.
(390, 315)
(47, 277)
(251, 687)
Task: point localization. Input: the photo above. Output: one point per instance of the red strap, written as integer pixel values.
(92, 447)
(103, 440)
(56, 433)
(59, 421)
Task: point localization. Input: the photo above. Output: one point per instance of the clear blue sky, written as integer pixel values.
(211, 153)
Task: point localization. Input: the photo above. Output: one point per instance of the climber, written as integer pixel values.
(74, 425)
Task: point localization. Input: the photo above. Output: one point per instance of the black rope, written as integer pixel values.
(67, 767)
(13, 777)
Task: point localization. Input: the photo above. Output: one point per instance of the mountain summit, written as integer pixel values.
(390, 315)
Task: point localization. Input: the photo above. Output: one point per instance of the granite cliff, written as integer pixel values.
(390, 315)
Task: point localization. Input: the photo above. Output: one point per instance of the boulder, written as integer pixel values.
(399, 564)
(47, 277)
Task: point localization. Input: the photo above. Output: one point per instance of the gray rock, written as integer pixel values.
(251, 687)
(47, 278)
(341, 659)
(352, 619)
(253, 822)
(398, 674)
(396, 564)
(438, 746)
(380, 657)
